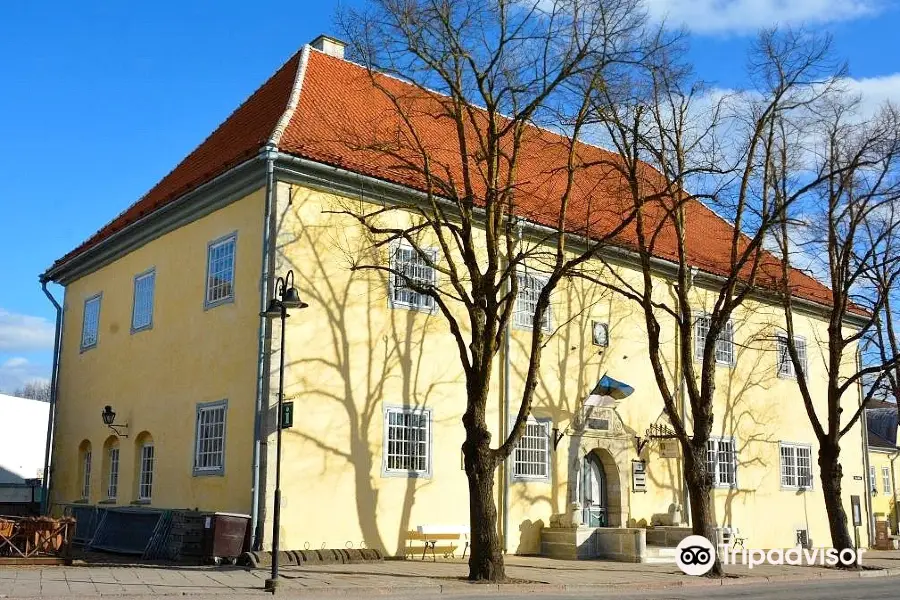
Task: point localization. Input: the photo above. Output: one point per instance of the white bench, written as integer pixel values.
(430, 535)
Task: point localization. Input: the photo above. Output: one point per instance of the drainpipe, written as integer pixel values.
(682, 387)
(265, 343)
(505, 427)
(54, 387)
(870, 518)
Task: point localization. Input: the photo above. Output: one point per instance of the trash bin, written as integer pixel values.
(225, 536)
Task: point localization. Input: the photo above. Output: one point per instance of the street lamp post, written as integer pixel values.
(284, 298)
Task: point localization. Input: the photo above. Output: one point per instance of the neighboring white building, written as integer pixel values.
(23, 438)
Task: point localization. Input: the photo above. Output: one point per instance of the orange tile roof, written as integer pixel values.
(340, 117)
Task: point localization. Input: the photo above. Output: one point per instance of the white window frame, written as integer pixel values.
(208, 287)
(112, 483)
(785, 365)
(87, 342)
(143, 306)
(399, 294)
(526, 301)
(388, 471)
(724, 343)
(873, 482)
(202, 442)
(535, 441)
(791, 480)
(86, 465)
(145, 473)
(886, 480)
(719, 476)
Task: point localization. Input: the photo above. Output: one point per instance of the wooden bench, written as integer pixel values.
(430, 535)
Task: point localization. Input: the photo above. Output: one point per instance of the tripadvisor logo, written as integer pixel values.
(695, 555)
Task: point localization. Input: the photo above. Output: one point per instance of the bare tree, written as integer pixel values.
(500, 199)
(851, 223)
(38, 389)
(709, 150)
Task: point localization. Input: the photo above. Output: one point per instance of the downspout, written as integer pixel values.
(265, 343)
(54, 387)
(870, 518)
(682, 391)
(506, 392)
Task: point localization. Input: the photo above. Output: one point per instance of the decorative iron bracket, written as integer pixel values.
(656, 431)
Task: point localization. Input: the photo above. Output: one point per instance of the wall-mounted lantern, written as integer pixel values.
(109, 419)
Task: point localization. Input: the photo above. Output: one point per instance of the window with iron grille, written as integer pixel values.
(531, 457)
(796, 466)
(220, 271)
(145, 481)
(530, 287)
(112, 487)
(407, 441)
(785, 364)
(724, 343)
(209, 452)
(142, 309)
(86, 475)
(90, 326)
(886, 480)
(411, 269)
(721, 461)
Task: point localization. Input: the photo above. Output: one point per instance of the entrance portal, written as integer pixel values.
(594, 492)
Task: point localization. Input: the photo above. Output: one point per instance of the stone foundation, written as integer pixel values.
(667, 536)
(625, 544)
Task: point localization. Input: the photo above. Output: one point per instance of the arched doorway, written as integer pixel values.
(594, 492)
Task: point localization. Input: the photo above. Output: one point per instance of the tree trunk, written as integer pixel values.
(832, 473)
(698, 482)
(486, 557)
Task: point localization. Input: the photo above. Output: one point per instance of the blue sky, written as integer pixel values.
(101, 101)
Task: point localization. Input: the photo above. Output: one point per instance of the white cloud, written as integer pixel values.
(875, 91)
(17, 371)
(747, 16)
(20, 333)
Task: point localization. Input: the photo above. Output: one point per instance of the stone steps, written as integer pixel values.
(659, 555)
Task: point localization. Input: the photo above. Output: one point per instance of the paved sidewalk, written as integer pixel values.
(395, 578)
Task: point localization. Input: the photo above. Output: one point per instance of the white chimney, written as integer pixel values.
(329, 45)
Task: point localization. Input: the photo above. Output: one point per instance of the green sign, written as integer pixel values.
(287, 415)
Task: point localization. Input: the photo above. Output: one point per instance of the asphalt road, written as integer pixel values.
(875, 588)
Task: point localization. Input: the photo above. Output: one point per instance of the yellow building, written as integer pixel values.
(161, 322)
(881, 437)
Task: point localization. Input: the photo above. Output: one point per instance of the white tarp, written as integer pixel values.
(23, 435)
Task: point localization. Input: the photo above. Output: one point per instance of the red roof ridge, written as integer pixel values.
(294, 98)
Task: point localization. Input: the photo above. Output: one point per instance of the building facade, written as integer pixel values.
(161, 322)
(881, 424)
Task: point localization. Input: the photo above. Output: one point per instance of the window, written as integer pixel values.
(145, 481)
(886, 480)
(209, 452)
(86, 474)
(785, 364)
(142, 309)
(796, 466)
(112, 488)
(721, 462)
(416, 269)
(531, 457)
(90, 325)
(407, 442)
(724, 343)
(530, 288)
(872, 487)
(220, 271)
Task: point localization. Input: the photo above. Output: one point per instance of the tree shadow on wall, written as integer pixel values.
(366, 356)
